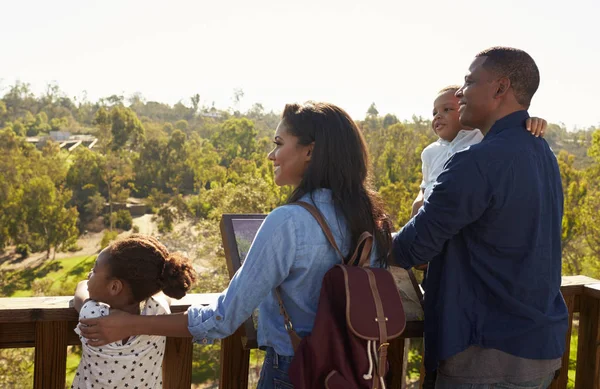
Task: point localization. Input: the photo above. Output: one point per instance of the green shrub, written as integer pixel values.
(124, 220)
(108, 237)
(121, 219)
(23, 250)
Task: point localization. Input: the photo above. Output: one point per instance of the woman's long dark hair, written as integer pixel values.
(339, 162)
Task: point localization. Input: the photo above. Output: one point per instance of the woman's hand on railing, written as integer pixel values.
(107, 329)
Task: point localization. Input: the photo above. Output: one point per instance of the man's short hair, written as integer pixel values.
(452, 88)
(518, 66)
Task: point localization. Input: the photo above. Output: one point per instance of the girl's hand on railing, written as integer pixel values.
(107, 329)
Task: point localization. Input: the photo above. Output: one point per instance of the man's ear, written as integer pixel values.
(503, 87)
(310, 151)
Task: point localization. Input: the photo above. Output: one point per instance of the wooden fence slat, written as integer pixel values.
(563, 378)
(396, 376)
(235, 363)
(50, 364)
(177, 363)
(588, 359)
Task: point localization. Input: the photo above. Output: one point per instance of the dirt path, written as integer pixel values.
(184, 238)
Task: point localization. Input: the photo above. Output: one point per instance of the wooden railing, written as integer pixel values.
(47, 324)
(582, 295)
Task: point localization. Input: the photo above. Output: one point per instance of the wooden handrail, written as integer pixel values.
(47, 324)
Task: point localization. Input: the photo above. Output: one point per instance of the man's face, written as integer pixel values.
(476, 96)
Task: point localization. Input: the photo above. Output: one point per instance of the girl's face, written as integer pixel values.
(100, 281)
(290, 159)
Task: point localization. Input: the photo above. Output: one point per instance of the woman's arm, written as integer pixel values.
(120, 325)
(81, 295)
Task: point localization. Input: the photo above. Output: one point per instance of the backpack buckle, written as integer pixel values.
(288, 326)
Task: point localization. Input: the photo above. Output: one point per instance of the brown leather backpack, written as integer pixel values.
(359, 312)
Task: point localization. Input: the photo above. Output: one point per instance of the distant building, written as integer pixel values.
(214, 115)
(64, 139)
(59, 135)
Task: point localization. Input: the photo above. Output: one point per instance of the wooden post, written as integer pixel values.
(50, 365)
(563, 378)
(588, 360)
(235, 363)
(396, 377)
(177, 363)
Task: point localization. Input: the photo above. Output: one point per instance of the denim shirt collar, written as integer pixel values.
(515, 119)
(321, 195)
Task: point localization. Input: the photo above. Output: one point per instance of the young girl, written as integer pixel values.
(128, 275)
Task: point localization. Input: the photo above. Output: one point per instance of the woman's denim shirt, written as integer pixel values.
(290, 250)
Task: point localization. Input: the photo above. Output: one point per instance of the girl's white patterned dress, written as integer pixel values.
(137, 364)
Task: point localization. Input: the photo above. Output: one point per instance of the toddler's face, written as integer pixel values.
(446, 123)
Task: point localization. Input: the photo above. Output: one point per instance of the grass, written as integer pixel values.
(73, 358)
(51, 278)
(573, 355)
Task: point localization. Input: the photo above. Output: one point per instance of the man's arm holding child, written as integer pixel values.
(460, 197)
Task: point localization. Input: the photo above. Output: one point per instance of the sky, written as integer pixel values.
(395, 53)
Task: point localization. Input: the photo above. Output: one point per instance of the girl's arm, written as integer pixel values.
(537, 126)
(416, 205)
(81, 295)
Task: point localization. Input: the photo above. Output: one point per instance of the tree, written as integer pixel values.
(125, 126)
(590, 218)
(237, 138)
(18, 128)
(372, 111)
(195, 99)
(3, 110)
(103, 124)
(203, 160)
(86, 181)
(168, 128)
(58, 124)
(50, 222)
(117, 174)
(40, 124)
(181, 125)
(238, 95)
(150, 166)
(574, 191)
(389, 120)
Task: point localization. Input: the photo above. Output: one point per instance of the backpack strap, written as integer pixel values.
(365, 238)
(322, 222)
(287, 322)
(365, 254)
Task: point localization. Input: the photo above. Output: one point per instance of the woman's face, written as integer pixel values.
(290, 159)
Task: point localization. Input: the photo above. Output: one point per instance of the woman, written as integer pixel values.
(320, 151)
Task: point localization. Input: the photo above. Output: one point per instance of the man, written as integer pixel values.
(491, 230)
